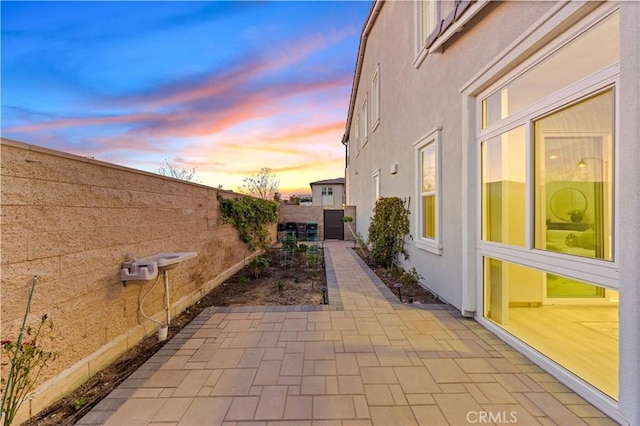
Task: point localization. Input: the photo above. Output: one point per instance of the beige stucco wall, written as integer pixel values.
(413, 102)
(440, 92)
(72, 221)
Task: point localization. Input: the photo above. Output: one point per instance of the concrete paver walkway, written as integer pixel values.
(364, 359)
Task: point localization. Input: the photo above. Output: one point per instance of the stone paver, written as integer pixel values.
(364, 359)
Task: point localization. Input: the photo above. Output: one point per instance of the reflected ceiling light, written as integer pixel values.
(553, 157)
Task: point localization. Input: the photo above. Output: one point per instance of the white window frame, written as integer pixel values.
(564, 18)
(453, 29)
(421, 36)
(327, 190)
(375, 99)
(375, 188)
(356, 125)
(431, 245)
(600, 272)
(364, 113)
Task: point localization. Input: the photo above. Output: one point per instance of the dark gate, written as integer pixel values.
(333, 225)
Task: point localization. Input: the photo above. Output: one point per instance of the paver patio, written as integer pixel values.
(364, 359)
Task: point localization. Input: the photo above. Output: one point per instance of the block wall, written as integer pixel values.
(73, 221)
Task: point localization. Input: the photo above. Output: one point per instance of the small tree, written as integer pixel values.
(388, 229)
(362, 243)
(27, 359)
(262, 185)
(177, 171)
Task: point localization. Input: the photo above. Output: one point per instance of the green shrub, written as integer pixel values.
(411, 279)
(388, 230)
(257, 265)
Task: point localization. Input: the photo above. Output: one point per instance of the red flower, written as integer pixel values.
(4, 342)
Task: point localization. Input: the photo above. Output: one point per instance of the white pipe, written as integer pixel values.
(166, 296)
(142, 301)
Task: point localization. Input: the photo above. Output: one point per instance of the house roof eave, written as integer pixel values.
(366, 29)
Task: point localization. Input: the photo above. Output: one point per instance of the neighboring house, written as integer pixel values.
(513, 130)
(328, 193)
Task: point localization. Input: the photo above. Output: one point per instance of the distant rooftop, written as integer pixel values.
(336, 181)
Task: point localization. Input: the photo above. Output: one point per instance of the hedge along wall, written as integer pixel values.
(73, 221)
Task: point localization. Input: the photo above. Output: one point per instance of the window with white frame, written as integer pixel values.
(375, 99)
(356, 127)
(375, 187)
(327, 190)
(548, 203)
(364, 131)
(427, 11)
(565, 135)
(427, 151)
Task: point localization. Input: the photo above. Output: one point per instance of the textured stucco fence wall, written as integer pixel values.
(72, 221)
(294, 213)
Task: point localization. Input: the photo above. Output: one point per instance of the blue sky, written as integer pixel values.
(225, 87)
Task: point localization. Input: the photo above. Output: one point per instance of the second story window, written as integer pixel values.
(356, 127)
(375, 98)
(364, 131)
(427, 19)
(327, 190)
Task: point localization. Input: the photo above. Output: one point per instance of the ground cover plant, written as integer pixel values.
(411, 291)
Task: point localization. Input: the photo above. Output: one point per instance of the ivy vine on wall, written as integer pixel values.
(250, 216)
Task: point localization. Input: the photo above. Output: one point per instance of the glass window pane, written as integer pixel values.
(592, 51)
(574, 179)
(562, 287)
(503, 188)
(428, 15)
(375, 98)
(429, 216)
(365, 129)
(429, 169)
(580, 334)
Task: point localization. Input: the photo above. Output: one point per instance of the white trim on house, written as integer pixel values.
(356, 127)
(375, 188)
(431, 245)
(364, 121)
(458, 25)
(421, 36)
(375, 99)
(572, 18)
(451, 30)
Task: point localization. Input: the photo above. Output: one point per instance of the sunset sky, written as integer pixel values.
(225, 87)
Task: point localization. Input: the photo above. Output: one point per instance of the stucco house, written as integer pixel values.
(328, 193)
(513, 129)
